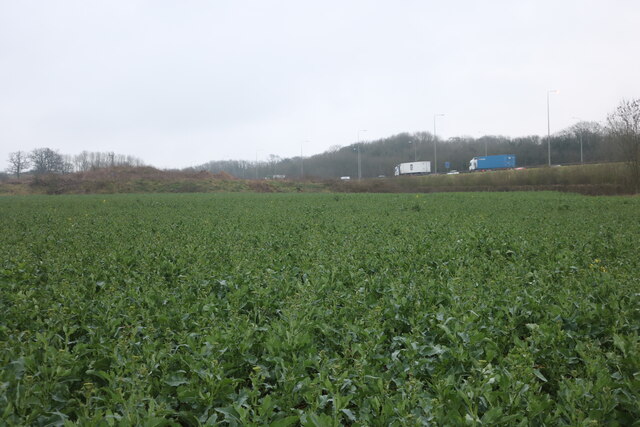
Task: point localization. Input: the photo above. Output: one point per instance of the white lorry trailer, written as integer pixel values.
(413, 168)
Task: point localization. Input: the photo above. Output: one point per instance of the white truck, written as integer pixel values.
(413, 168)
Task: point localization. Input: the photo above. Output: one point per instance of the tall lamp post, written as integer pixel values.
(485, 144)
(435, 139)
(302, 160)
(358, 149)
(549, 125)
(580, 138)
(415, 150)
(257, 164)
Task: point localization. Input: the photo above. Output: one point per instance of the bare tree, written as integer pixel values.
(96, 160)
(67, 164)
(86, 161)
(624, 128)
(18, 163)
(81, 161)
(45, 160)
(134, 161)
(584, 132)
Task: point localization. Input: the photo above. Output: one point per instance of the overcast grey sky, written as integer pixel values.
(178, 83)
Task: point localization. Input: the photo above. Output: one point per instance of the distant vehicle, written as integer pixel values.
(381, 176)
(453, 172)
(500, 161)
(345, 178)
(412, 168)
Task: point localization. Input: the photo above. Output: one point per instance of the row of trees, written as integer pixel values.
(624, 129)
(46, 161)
(584, 142)
(380, 157)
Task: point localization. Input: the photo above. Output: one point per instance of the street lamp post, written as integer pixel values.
(415, 150)
(302, 159)
(435, 139)
(358, 149)
(549, 126)
(359, 163)
(257, 164)
(581, 156)
(580, 138)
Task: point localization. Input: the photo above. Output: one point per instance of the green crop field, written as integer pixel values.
(320, 309)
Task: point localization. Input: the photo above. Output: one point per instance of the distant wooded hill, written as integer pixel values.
(379, 157)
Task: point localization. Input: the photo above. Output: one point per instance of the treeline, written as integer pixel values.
(43, 161)
(585, 141)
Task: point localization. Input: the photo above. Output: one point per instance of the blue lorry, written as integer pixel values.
(501, 161)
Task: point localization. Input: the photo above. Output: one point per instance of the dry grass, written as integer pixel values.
(124, 180)
(606, 179)
(148, 180)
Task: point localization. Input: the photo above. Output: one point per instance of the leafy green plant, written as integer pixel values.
(313, 309)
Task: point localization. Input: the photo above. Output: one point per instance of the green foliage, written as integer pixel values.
(319, 309)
